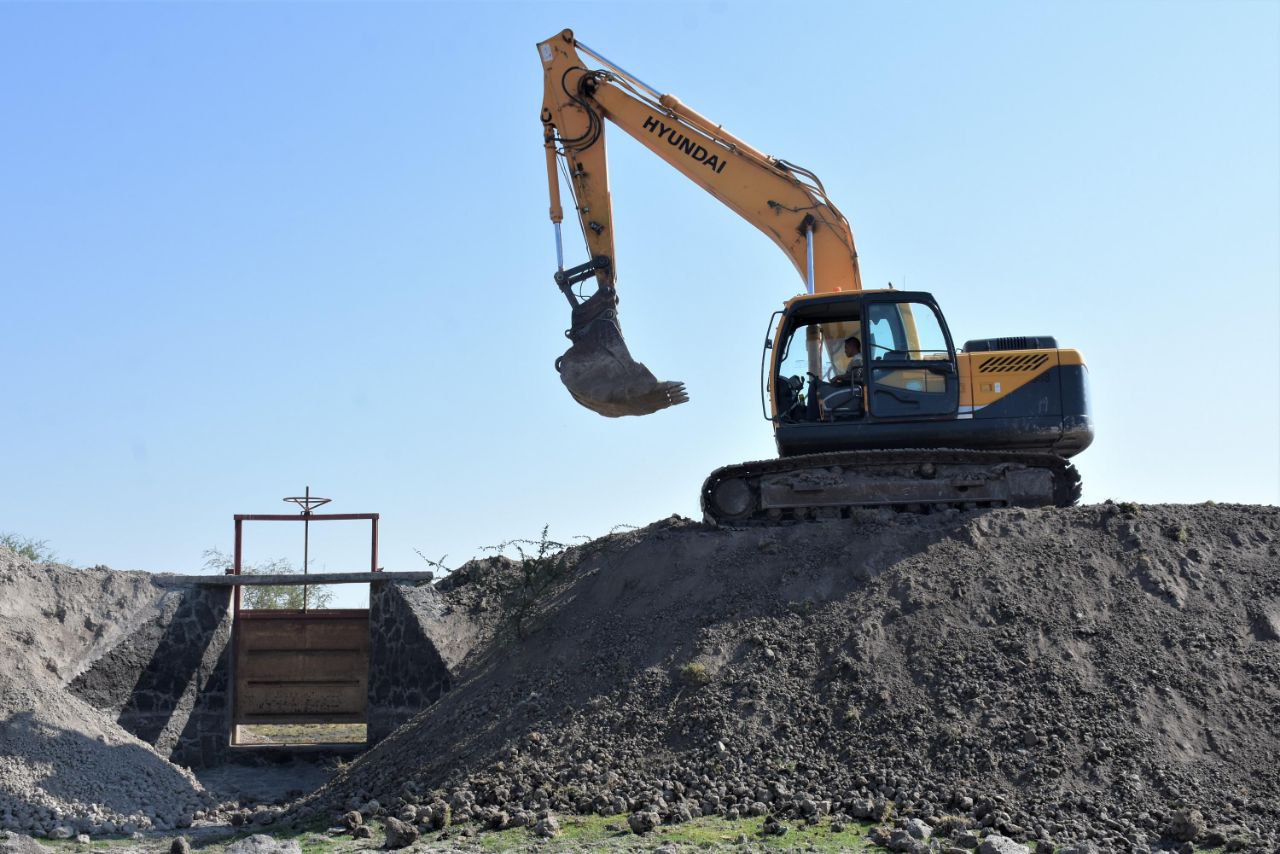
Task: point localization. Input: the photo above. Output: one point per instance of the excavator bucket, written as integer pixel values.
(601, 375)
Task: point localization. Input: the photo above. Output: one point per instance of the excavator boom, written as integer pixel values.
(784, 201)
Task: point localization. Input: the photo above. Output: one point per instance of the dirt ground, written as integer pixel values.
(1103, 677)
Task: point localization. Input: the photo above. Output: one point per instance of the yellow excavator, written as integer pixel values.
(872, 404)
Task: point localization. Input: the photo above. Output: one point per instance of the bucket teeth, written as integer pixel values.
(601, 375)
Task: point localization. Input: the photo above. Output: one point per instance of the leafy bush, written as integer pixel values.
(36, 551)
(270, 597)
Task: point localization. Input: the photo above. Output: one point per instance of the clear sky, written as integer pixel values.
(249, 247)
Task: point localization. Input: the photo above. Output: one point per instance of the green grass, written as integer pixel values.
(577, 832)
(706, 832)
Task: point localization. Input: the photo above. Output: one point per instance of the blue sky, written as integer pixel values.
(250, 247)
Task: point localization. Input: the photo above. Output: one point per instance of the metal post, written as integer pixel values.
(306, 544)
(809, 258)
(235, 569)
(373, 560)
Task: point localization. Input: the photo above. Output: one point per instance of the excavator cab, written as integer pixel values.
(906, 370)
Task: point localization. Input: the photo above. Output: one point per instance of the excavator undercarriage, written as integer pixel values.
(832, 485)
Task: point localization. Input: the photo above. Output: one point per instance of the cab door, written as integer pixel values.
(908, 357)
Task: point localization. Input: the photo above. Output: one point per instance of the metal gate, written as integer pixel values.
(293, 667)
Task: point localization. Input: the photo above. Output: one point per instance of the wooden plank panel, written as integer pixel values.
(306, 668)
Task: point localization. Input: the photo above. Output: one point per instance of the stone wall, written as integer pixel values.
(408, 670)
(169, 681)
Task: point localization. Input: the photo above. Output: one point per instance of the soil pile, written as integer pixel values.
(66, 767)
(1089, 673)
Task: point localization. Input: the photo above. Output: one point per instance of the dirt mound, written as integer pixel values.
(1053, 674)
(65, 766)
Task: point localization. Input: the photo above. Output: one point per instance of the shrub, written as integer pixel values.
(36, 551)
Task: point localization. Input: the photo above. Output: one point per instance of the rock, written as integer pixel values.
(863, 808)
(1186, 825)
(352, 820)
(362, 832)
(997, 844)
(179, 845)
(17, 843)
(260, 843)
(772, 827)
(546, 827)
(879, 835)
(62, 831)
(83, 839)
(643, 822)
(837, 826)
(400, 834)
(370, 808)
(900, 840)
(918, 829)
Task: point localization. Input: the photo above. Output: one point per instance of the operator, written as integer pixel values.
(853, 374)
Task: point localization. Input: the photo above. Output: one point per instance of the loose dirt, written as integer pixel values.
(66, 767)
(1108, 674)
(1076, 674)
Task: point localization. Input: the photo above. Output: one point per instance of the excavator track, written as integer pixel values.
(832, 485)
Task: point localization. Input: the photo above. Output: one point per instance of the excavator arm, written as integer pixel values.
(783, 200)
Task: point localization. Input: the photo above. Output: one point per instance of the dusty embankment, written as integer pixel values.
(1107, 673)
(1092, 673)
(66, 767)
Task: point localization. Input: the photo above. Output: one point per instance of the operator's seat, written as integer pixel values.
(843, 404)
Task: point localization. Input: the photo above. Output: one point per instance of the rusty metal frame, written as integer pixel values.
(238, 562)
(241, 518)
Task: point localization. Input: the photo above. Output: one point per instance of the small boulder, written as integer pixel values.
(352, 820)
(546, 827)
(400, 834)
(1186, 825)
(643, 822)
(17, 843)
(918, 829)
(62, 831)
(997, 844)
(362, 832)
(179, 845)
(260, 843)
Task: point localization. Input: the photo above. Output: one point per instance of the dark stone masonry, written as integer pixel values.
(169, 681)
(406, 670)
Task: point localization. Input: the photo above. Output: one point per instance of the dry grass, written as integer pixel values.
(302, 734)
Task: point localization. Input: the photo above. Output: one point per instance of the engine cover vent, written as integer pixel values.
(1015, 342)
